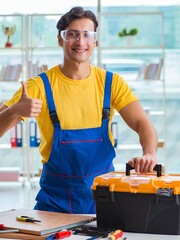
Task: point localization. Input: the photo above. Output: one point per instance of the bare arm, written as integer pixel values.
(25, 107)
(136, 118)
(8, 118)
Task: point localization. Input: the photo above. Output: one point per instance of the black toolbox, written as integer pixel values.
(138, 202)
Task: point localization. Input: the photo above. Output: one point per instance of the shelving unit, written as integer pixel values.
(12, 50)
(116, 55)
(35, 47)
(12, 59)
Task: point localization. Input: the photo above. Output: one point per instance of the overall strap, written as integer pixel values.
(107, 96)
(49, 96)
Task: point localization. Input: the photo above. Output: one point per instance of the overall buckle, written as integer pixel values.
(106, 113)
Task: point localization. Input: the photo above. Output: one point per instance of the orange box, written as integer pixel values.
(138, 203)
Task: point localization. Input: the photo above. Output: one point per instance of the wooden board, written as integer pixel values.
(50, 221)
(25, 236)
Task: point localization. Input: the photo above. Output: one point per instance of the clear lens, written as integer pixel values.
(74, 35)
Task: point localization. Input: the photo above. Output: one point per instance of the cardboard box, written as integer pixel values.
(138, 203)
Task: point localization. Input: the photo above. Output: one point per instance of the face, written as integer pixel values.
(79, 44)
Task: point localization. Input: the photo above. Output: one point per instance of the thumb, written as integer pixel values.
(24, 89)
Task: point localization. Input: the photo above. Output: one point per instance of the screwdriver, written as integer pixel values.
(63, 234)
(115, 235)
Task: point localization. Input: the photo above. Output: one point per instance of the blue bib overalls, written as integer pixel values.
(77, 156)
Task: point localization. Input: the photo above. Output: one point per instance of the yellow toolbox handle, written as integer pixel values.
(157, 168)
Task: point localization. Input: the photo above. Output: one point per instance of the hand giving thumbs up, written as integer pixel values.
(27, 106)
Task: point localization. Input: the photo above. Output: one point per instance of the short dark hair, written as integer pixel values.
(75, 13)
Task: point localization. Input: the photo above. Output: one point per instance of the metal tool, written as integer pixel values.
(27, 219)
(93, 232)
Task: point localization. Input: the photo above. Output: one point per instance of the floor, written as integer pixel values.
(17, 195)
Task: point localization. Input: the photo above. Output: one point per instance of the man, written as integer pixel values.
(73, 104)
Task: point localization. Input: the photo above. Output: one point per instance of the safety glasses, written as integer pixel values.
(75, 35)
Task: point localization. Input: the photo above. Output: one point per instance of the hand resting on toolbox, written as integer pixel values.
(143, 164)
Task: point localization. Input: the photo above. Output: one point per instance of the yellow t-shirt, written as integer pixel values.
(78, 103)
